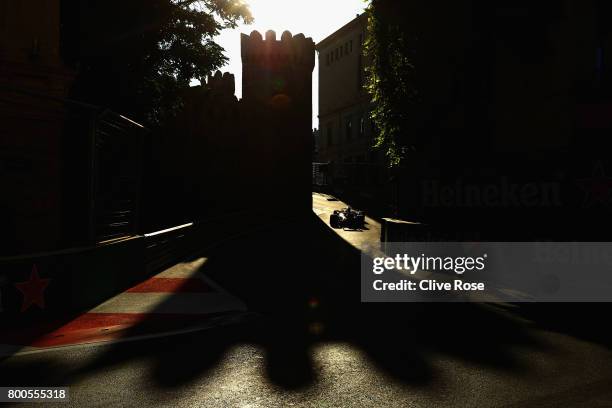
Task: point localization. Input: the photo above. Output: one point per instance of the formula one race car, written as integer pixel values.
(347, 218)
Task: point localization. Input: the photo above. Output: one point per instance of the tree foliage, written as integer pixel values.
(391, 79)
(136, 56)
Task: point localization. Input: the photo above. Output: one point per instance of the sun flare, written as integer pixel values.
(313, 18)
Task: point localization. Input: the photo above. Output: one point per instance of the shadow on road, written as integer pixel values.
(303, 280)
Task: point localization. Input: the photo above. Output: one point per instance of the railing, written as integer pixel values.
(163, 248)
(117, 176)
(76, 170)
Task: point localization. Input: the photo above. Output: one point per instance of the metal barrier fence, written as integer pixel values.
(117, 161)
(71, 173)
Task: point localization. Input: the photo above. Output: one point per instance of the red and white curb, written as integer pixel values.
(178, 300)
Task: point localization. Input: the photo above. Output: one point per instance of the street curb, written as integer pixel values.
(7, 351)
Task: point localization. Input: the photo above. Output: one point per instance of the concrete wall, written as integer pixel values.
(72, 280)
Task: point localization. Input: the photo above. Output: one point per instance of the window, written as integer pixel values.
(336, 53)
(341, 50)
(599, 65)
(330, 135)
(327, 58)
(348, 126)
(346, 48)
(360, 76)
(351, 45)
(361, 126)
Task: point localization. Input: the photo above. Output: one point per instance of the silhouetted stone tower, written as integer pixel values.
(224, 155)
(277, 89)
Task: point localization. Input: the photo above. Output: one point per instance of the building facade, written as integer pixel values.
(345, 142)
(32, 78)
(510, 133)
(70, 170)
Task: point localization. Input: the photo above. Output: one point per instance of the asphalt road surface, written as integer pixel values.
(311, 343)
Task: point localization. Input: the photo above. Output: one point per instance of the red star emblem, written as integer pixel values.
(33, 290)
(598, 188)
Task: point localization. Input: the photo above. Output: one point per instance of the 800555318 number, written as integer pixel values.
(12, 394)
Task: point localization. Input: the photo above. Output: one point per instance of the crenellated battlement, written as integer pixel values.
(224, 84)
(291, 50)
(277, 72)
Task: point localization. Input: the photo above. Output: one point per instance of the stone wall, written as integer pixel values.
(222, 154)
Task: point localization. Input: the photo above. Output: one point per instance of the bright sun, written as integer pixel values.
(281, 15)
(313, 18)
